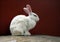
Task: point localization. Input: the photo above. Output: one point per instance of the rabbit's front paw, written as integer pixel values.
(27, 33)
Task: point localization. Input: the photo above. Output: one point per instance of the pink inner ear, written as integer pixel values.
(26, 10)
(29, 7)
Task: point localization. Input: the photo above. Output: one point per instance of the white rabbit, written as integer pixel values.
(21, 24)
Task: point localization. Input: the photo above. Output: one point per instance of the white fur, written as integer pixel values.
(21, 24)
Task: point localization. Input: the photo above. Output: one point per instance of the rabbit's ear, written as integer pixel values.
(27, 9)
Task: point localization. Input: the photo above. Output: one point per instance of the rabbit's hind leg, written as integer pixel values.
(16, 33)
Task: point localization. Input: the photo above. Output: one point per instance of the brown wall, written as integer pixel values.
(48, 11)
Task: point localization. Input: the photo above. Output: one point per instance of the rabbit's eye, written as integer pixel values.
(35, 15)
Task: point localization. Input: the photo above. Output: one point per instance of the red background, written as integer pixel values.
(48, 11)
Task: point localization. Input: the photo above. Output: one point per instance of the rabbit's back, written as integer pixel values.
(19, 19)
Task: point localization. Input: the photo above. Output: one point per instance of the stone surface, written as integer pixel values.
(38, 38)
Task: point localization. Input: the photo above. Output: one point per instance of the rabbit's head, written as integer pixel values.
(31, 14)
